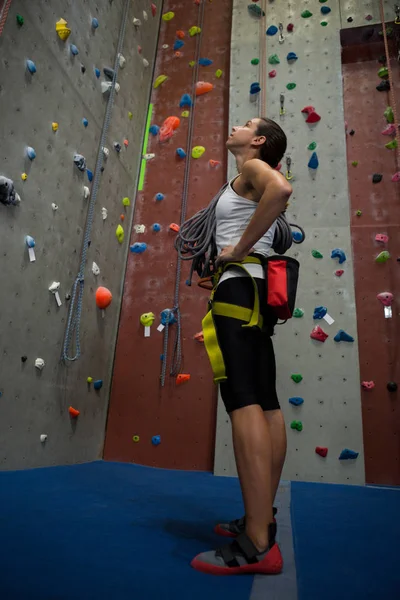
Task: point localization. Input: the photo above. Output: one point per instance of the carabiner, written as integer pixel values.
(281, 36)
(282, 101)
(288, 175)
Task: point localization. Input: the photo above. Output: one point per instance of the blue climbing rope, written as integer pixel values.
(75, 309)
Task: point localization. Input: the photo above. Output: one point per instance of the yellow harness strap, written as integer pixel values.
(251, 318)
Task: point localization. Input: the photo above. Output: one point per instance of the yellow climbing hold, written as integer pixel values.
(160, 79)
(218, 73)
(54, 126)
(136, 439)
(126, 202)
(89, 379)
(130, 115)
(194, 30)
(62, 29)
(147, 319)
(168, 16)
(24, 176)
(192, 63)
(198, 151)
(120, 234)
(185, 113)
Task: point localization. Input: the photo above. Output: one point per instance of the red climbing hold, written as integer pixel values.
(272, 73)
(180, 34)
(199, 337)
(339, 272)
(182, 378)
(396, 177)
(313, 117)
(174, 227)
(73, 412)
(318, 334)
(290, 27)
(321, 451)
(214, 163)
(308, 109)
(367, 385)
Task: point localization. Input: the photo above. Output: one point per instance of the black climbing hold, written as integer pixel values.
(384, 86)
(89, 242)
(392, 386)
(68, 296)
(349, 19)
(102, 169)
(352, 132)
(83, 68)
(109, 73)
(24, 358)
(376, 178)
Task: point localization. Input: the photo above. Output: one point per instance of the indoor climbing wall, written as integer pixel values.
(56, 83)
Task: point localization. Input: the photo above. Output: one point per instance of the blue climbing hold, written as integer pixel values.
(339, 254)
(292, 56)
(185, 101)
(30, 65)
(159, 196)
(95, 23)
(178, 44)
(272, 30)
(255, 88)
(85, 122)
(154, 129)
(320, 312)
(89, 174)
(342, 336)
(156, 440)
(98, 384)
(347, 454)
(167, 316)
(205, 62)
(313, 162)
(162, 357)
(31, 153)
(156, 227)
(325, 10)
(74, 50)
(296, 401)
(97, 72)
(297, 236)
(30, 242)
(138, 248)
(181, 153)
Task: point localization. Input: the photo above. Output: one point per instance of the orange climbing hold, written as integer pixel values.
(180, 34)
(174, 227)
(202, 87)
(199, 337)
(168, 128)
(214, 163)
(73, 412)
(103, 297)
(178, 54)
(126, 143)
(182, 378)
(122, 217)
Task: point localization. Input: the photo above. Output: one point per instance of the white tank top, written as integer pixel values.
(233, 213)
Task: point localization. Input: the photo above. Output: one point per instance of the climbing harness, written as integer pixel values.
(75, 308)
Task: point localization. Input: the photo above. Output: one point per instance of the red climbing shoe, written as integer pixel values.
(235, 527)
(241, 556)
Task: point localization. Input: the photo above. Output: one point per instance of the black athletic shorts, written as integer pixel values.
(248, 352)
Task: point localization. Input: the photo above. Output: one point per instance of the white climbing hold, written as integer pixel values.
(53, 288)
(145, 62)
(139, 228)
(54, 206)
(148, 156)
(165, 46)
(106, 152)
(104, 213)
(136, 22)
(43, 438)
(121, 61)
(145, 17)
(39, 364)
(107, 85)
(95, 269)
(86, 192)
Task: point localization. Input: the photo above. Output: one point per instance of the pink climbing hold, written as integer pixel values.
(368, 18)
(321, 451)
(139, 49)
(318, 334)
(339, 272)
(290, 27)
(381, 237)
(389, 130)
(386, 298)
(272, 73)
(396, 177)
(367, 385)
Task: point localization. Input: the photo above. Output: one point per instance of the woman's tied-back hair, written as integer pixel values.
(275, 144)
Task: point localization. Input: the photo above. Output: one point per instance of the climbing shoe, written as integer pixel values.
(384, 86)
(235, 527)
(241, 556)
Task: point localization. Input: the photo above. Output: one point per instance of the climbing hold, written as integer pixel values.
(181, 153)
(383, 72)
(39, 364)
(298, 313)
(198, 151)
(347, 454)
(386, 298)
(63, 31)
(274, 60)
(122, 217)
(24, 359)
(20, 20)
(156, 227)
(255, 61)
(292, 56)
(321, 451)
(43, 438)
(339, 254)
(296, 401)
(384, 86)
(290, 86)
(54, 206)
(147, 319)
(342, 336)
(218, 73)
(298, 425)
(306, 14)
(117, 147)
(178, 45)
(313, 117)
(138, 248)
(89, 380)
(156, 440)
(154, 129)
(168, 16)
(367, 385)
(199, 337)
(30, 152)
(73, 412)
(130, 116)
(350, 19)
(126, 201)
(354, 163)
(80, 162)
(389, 114)
(205, 62)
(95, 23)
(254, 88)
(85, 122)
(290, 27)
(192, 63)
(54, 126)
(174, 227)
(351, 132)
(396, 176)
(391, 145)
(376, 178)
(168, 127)
(214, 163)
(160, 79)
(83, 68)
(24, 176)
(103, 297)
(106, 87)
(382, 238)
(272, 30)
(159, 196)
(109, 73)
(180, 34)
(182, 378)
(318, 334)
(97, 72)
(325, 10)
(185, 101)
(30, 243)
(272, 73)
(312, 146)
(296, 377)
(136, 439)
(106, 152)
(95, 269)
(255, 10)
(392, 386)
(121, 61)
(30, 65)
(358, 213)
(389, 130)
(313, 163)
(316, 254)
(89, 174)
(202, 87)
(145, 17)
(74, 50)
(339, 272)
(382, 257)
(98, 384)
(320, 312)
(120, 234)
(167, 316)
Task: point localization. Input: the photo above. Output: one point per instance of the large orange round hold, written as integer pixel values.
(103, 297)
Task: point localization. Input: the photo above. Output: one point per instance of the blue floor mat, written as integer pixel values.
(113, 531)
(346, 541)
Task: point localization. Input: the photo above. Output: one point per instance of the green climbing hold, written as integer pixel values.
(296, 425)
(274, 59)
(391, 145)
(218, 73)
(291, 86)
(20, 20)
(312, 146)
(389, 114)
(298, 313)
(297, 377)
(358, 213)
(316, 254)
(192, 63)
(255, 61)
(306, 14)
(354, 163)
(382, 257)
(324, 23)
(383, 72)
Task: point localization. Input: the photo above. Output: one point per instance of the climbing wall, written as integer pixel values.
(64, 91)
(330, 415)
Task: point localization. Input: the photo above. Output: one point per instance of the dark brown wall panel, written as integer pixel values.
(183, 416)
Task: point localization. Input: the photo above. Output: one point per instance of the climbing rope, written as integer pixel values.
(75, 309)
(263, 60)
(175, 312)
(390, 74)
